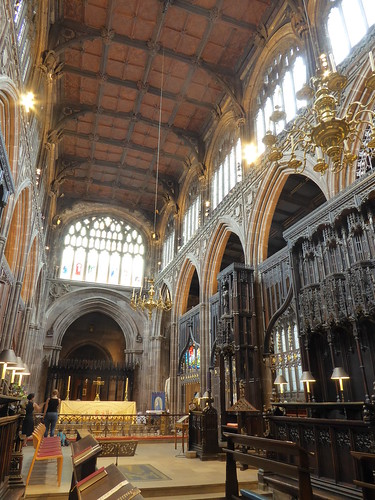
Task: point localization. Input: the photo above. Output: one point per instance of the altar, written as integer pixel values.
(97, 408)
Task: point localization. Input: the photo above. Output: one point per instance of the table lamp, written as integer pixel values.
(340, 374)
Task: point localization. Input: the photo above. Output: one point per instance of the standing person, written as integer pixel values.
(51, 412)
(28, 422)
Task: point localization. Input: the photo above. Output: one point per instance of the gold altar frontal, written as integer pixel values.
(98, 408)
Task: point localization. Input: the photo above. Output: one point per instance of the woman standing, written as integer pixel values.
(28, 422)
(51, 412)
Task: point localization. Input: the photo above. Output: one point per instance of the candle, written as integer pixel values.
(126, 387)
(13, 375)
(372, 64)
(3, 372)
(332, 61)
(133, 293)
(292, 142)
(318, 153)
(68, 384)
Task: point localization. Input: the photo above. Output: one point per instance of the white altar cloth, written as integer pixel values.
(98, 407)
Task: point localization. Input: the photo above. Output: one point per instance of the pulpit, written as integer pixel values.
(203, 433)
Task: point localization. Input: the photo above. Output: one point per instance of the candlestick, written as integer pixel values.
(332, 61)
(68, 384)
(126, 389)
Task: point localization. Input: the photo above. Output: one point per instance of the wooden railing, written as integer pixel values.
(140, 425)
(8, 431)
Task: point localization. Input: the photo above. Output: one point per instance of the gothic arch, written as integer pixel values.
(182, 287)
(215, 251)
(264, 208)
(10, 129)
(73, 305)
(19, 233)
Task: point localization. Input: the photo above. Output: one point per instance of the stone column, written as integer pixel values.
(24, 338)
(11, 319)
(174, 402)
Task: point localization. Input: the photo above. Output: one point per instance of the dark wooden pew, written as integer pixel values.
(366, 480)
(281, 461)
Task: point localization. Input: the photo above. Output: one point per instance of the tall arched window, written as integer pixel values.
(286, 358)
(24, 15)
(103, 250)
(228, 170)
(348, 22)
(283, 79)
(190, 222)
(168, 246)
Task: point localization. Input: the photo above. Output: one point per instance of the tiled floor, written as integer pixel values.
(182, 474)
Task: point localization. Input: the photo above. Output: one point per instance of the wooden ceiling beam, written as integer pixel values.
(122, 144)
(135, 86)
(72, 111)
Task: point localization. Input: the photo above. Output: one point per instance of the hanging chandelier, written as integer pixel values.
(150, 302)
(321, 132)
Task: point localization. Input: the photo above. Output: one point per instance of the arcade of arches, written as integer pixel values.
(270, 268)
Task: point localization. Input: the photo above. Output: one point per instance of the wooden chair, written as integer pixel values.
(283, 458)
(48, 448)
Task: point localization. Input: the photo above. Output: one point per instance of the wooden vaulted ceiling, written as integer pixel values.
(116, 55)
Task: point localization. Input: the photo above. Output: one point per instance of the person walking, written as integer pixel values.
(51, 412)
(28, 421)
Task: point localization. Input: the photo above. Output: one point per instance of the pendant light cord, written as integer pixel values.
(158, 149)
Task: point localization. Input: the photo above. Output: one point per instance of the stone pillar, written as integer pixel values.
(24, 338)
(204, 327)
(11, 319)
(2, 245)
(174, 402)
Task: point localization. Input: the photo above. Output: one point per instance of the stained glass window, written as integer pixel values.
(103, 250)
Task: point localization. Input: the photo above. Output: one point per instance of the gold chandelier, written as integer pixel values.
(321, 132)
(150, 302)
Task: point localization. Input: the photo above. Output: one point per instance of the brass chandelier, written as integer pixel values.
(320, 132)
(150, 302)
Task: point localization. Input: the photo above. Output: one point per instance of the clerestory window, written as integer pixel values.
(284, 77)
(103, 250)
(348, 22)
(168, 246)
(190, 222)
(228, 170)
(23, 18)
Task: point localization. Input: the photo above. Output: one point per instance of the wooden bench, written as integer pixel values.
(48, 448)
(366, 480)
(283, 459)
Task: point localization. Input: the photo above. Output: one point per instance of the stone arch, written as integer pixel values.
(182, 287)
(264, 208)
(215, 251)
(282, 39)
(9, 121)
(72, 305)
(18, 236)
(87, 330)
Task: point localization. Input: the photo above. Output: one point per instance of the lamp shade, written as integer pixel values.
(280, 380)
(307, 376)
(26, 370)
(339, 374)
(20, 367)
(8, 357)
